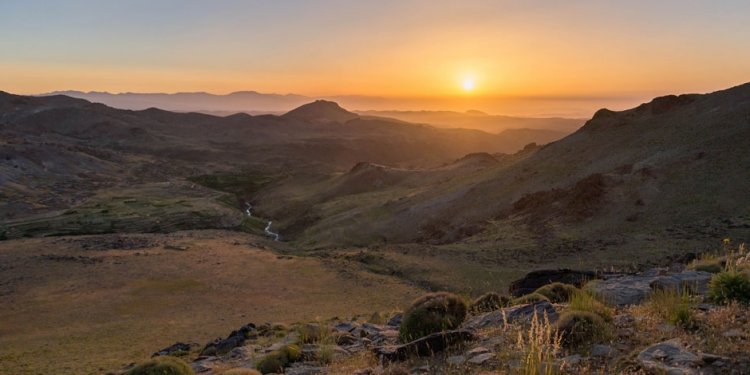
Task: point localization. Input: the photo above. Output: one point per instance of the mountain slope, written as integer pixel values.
(671, 167)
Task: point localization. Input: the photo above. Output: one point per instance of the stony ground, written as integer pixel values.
(640, 341)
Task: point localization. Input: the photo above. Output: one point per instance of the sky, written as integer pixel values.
(420, 53)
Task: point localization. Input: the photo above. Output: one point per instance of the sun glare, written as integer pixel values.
(468, 84)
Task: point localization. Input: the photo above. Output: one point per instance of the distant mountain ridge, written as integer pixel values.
(253, 102)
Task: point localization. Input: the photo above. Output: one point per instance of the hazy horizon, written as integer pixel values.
(489, 56)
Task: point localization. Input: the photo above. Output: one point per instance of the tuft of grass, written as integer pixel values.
(582, 328)
(729, 286)
(431, 313)
(672, 306)
(540, 344)
(582, 300)
(162, 366)
(557, 292)
(529, 298)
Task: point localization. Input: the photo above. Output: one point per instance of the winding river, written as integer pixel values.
(267, 230)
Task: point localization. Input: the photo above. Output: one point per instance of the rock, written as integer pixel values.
(535, 279)
(477, 351)
(603, 351)
(510, 315)
(175, 349)
(424, 346)
(482, 358)
(622, 290)
(304, 369)
(456, 360)
(734, 333)
(572, 360)
(345, 327)
(632, 289)
(670, 357)
(235, 339)
(694, 281)
(395, 321)
(345, 339)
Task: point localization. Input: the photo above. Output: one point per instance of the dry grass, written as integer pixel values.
(72, 317)
(541, 344)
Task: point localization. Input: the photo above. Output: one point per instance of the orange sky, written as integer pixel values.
(404, 49)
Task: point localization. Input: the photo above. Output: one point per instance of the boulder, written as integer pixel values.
(694, 281)
(425, 346)
(510, 315)
(235, 339)
(175, 349)
(633, 289)
(671, 357)
(535, 279)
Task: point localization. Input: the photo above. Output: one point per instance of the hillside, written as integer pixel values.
(59, 152)
(669, 168)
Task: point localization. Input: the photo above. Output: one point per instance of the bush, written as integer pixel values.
(583, 301)
(162, 366)
(729, 286)
(434, 312)
(557, 292)
(580, 328)
(529, 298)
(274, 362)
(489, 302)
(241, 371)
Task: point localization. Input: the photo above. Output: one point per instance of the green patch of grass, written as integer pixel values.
(557, 292)
(529, 298)
(582, 300)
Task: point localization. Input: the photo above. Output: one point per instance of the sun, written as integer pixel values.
(468, 84)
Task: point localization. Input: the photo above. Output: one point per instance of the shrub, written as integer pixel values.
(434, 312)
(579, 328)
(729, 286)
(274, 362)
(162, 366)
(241, 371)
(529, 298)
(557, 292)
(583, 301)
(489, 302)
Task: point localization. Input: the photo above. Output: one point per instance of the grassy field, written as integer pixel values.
(92, 304)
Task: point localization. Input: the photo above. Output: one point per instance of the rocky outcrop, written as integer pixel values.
(632, 289)
(511, 315)
(671, 357)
